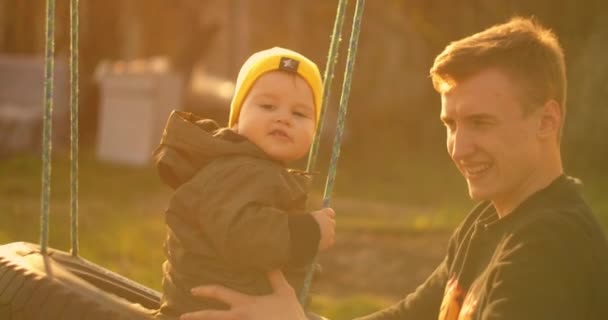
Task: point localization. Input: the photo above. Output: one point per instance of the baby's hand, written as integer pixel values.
(327, 224)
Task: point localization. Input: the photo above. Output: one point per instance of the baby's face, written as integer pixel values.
(278, 115)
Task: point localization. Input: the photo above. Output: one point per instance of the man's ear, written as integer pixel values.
(550, 119)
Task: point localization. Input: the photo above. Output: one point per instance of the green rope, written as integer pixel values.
(350, 63)
(74, 124)
(47, 124)
(328, 77)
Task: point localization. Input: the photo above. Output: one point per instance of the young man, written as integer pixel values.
(531, 249)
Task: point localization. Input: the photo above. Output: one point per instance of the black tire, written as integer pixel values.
(59, 286)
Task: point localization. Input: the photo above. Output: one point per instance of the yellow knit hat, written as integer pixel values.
(275, 59)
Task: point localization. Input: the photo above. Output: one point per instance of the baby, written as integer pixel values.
(237, 211)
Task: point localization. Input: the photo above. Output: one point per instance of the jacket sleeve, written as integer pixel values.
(304, 237)
(240, 211)
(422, 304)
(542, 272)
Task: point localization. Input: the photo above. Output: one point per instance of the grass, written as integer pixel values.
(121, 221)
(347, 308)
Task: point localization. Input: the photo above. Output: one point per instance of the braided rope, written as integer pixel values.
(47, 124)
(74, 4)
(328, 77)
(350, 63)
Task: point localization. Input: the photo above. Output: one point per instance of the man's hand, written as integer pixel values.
(280, 305)
(326, 218)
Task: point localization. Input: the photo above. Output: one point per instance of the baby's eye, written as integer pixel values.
(266, 106)
(300, 114)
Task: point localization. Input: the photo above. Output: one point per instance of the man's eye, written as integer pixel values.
(480, 123)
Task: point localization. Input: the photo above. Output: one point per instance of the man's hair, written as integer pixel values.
(522, 48)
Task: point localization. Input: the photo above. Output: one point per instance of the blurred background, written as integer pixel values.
(397, 194)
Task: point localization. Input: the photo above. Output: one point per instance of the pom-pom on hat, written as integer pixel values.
(270, 60)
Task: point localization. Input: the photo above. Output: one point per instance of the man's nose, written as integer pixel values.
(460, 144)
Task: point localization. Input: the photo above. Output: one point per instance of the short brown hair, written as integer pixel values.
(522, 48)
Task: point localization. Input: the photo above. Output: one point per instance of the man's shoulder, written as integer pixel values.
(570, 230)
(574, 218)
(559, 208)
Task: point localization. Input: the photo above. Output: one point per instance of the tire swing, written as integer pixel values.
(38, 282)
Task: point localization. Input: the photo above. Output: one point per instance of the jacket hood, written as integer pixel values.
(190, 142)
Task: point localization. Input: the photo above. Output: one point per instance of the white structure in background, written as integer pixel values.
(136, 100)
(210, 95)
(21, 100)
(210, 86)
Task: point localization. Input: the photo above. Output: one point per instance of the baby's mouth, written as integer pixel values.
(280, 133)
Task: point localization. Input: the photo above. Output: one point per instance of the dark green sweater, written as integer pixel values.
(548, 259)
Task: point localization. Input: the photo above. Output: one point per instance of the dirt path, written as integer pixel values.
(388, 265)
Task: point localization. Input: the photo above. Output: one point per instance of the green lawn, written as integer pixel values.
(121, 221)
(121, 225)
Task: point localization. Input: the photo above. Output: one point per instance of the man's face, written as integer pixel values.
(489, 138)
(278, 115)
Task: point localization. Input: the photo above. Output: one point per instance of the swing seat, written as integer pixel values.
(57, 285)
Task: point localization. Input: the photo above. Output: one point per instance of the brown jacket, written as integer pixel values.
(234, 214)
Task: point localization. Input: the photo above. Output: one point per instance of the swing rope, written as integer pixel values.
(350, 63)
(328, 77)
(47, 124)
(74, 6)
(348, 74)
